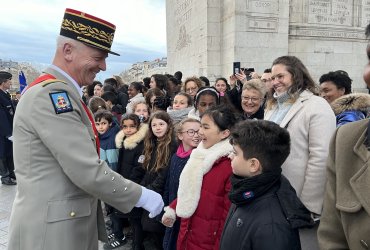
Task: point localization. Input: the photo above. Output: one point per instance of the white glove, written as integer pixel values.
(10, 138)
(151, 201)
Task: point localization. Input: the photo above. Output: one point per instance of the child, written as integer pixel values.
(107, 130)
(135, 93)
(202, 200)
(188, 134)
(141, 109)
(107, 133)
(222, 86)
(130, 142)
(111, 100)
(205, 98)
(159, 145)
(182, 104)
(97, 103)
(266, 212)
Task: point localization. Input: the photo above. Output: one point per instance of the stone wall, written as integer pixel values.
(206, 37)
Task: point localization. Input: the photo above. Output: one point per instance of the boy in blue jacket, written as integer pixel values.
(108, 130)
(107, 133)
(265, 212)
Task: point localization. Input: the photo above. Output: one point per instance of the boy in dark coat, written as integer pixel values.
(266, 212)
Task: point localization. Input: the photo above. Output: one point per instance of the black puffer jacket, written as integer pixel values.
(130, 161)
(263, 225)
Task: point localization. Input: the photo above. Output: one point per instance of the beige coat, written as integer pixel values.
(345, 222)
(60, 177)
(311, 123)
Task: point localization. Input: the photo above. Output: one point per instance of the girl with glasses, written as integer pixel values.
(187, 132)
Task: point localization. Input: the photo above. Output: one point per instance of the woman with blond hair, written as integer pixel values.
(252, 99)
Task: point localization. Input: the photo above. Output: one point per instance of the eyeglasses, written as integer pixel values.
(191, 132)
(190, 90)
(252, 99)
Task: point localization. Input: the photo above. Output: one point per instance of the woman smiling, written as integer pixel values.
(252, 99)
(311, 123)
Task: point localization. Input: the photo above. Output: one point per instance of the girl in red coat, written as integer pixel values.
(202, 201)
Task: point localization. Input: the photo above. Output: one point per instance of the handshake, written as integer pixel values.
(151, 201)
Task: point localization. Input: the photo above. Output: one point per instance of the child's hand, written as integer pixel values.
(167, 221)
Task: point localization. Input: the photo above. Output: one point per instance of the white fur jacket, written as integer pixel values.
(132, 141)
(200, 163)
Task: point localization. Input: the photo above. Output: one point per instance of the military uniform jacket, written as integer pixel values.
(346, 217)
(6, 124)
(60, 176)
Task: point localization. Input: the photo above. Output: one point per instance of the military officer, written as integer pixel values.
(6, 130)
(61, 179)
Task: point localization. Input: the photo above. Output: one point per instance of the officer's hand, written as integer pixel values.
(151, 201)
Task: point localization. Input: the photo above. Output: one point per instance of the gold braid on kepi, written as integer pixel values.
(88, 29)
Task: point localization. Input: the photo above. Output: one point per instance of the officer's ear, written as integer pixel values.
(67, 51)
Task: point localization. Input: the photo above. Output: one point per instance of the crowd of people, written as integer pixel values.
(239, 163)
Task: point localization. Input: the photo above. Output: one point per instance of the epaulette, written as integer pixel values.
(49, 81)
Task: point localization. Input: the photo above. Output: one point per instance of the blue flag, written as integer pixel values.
(22, 80)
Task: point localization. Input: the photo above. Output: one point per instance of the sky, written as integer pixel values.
(28, 30)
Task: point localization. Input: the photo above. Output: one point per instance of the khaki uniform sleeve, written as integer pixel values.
(71, 144)
(330, 232)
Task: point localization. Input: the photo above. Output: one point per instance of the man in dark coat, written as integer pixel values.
(6, 130)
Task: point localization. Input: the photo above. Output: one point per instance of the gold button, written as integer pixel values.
(72, 214)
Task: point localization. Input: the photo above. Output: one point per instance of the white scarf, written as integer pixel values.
(200, 162)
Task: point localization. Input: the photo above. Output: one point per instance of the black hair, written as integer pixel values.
(146, 81)
(99, 84)
(110, 96)
(263, 140)
(5, 76)
(111, 81)
(268, 70)
(132, 117)
(207, 91)
(103, 114)
(225, 81)
(222, 116)
(178, 75)
(109, 88)
(161, 81)
(340, 79)
(205, 80)
(367, 31)
(90, 88)
(137, 85)
(174, 80)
